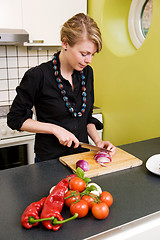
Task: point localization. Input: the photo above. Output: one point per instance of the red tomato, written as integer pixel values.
(72, 199)
(77, 183)
(100, 210)
(80, 207)
(90, 199)
(92, 204)
(107, 198)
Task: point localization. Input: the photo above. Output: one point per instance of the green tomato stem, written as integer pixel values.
(73, 194)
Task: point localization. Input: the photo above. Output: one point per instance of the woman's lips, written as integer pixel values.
(81, 65)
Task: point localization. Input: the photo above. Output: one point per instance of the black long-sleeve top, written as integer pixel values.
(39, 88)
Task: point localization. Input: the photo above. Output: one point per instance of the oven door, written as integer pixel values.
(16, 151)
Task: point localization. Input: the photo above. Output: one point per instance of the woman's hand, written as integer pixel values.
(106, 144)
(65, 137)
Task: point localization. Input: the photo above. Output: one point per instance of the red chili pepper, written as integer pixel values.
(32, 211)
(54, 204)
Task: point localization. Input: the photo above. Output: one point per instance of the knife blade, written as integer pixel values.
(92, 147)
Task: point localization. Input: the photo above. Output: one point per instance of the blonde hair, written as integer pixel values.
(74, 29)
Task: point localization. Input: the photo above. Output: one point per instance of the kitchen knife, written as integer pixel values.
(92, 147)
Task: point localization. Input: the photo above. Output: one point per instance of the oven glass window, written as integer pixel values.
(13, 156)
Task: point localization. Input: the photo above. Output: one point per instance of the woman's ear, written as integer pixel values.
(64, 44)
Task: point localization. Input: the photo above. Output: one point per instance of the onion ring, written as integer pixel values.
(102, 157)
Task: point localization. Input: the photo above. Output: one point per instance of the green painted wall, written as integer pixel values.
(127, 80)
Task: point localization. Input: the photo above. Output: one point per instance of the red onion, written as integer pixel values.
(84, 165)
(102, 157)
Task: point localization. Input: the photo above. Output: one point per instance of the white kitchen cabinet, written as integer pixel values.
(10, 14)
(43, 19)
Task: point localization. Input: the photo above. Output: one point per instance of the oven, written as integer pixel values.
(16, 148)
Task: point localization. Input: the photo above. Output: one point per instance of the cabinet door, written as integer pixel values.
(10, 14)
(43, 19)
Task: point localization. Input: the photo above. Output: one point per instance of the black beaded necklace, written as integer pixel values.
(64, 94)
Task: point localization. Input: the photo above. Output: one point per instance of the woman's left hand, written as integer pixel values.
(106, 144)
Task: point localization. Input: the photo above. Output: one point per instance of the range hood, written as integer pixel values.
(13, 36)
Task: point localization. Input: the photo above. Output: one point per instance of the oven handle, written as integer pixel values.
(16, 140)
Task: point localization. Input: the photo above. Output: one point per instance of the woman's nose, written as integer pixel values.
(88, 59)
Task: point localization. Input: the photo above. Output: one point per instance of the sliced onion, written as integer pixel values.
(102, 157)
(84, 165)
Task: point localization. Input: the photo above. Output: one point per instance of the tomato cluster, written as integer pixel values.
(81, 202)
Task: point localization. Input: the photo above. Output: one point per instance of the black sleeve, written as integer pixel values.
(96, 122)
(27, 93)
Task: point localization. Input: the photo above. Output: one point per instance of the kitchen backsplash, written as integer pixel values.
(14, 62)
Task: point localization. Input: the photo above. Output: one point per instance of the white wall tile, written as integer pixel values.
(32, 52)
(12, 94)
(42, 59)
(3, 62)
(3, 74)
(12, 62)
(42, 52)
(49, 58)
(11, 51)
(22, 51)
(33, 61)
(3, 85)
(2, 51)
(13, 84)
(12, 73)
(23, 62)
(53, 50)
(22, 72)
(3, 96)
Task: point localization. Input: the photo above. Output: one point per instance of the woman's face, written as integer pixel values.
(81, 54)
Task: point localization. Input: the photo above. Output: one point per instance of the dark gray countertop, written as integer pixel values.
(136, 194)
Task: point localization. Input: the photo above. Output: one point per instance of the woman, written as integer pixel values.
(61, 91)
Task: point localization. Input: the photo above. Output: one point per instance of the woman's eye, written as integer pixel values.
(84, 54)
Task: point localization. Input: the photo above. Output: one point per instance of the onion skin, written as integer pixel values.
(84, 165)
(102, 157)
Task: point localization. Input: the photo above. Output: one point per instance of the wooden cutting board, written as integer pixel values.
(120, 161)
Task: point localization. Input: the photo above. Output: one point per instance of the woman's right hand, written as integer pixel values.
(65, 137)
